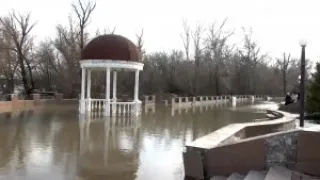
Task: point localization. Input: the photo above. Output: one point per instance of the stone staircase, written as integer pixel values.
(274, 173)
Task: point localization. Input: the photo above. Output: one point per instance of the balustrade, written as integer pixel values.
(116, 108)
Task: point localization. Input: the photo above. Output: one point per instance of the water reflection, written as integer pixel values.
(109, 146)
(192, 108)
(36, 146)
(55, 143)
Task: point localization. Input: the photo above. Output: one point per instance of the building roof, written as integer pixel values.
(111, 47)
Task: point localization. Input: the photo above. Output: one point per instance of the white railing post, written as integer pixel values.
(119, 109)
(172, 101)
(166, 103)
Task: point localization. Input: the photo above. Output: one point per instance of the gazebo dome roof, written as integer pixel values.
(111, 47)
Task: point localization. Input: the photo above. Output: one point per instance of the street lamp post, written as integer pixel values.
(303, 45)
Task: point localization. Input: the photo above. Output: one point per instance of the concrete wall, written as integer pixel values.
(244, 146)
(251, 131)
(234, 158)
(5, 106)
(308, 155)
(262, 127)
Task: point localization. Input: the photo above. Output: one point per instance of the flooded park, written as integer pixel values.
(133, 90)
(56, 143)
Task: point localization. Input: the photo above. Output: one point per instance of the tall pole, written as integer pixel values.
(302, 86)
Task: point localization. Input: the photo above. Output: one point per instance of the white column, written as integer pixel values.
(136, 94)
(107, 110)
(114, 86)
(136, 86)
(89, 90)
(89, 84)
(83, 83)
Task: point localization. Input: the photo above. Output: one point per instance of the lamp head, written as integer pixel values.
(303, 43)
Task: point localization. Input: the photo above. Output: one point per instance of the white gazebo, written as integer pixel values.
(109, 53)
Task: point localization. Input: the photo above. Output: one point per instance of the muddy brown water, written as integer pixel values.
(55, 143)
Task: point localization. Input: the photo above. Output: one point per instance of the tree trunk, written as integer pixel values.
(217, 82)
(31, 78)
(284, 83)
(49, 87)
(24, 75)
(9, 86)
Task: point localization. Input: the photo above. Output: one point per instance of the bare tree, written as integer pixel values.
(69, 53)
(284, 65)
(216, 48)
(186, 36)
(70, 42)
(18, 27)
(111, 31)
(251, 55)
(217, 67)
(83, 12)
(140, 42)
(47, 64)
(196, 38)
(8, 63)
(106, 31)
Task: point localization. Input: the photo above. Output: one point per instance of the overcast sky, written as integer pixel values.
(277, 25)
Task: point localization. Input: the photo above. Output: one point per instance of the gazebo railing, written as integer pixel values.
(96, 104)
(122, 107)
(115, 108)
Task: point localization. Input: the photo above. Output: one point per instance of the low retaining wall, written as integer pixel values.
(275, 123)
(17, 105)
(234, 148)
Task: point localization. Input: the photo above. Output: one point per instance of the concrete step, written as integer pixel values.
(236, 176)
(279, 173)
(256, 175)
(218, 178)
(301, 176)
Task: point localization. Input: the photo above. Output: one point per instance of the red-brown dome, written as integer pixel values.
(111, 47)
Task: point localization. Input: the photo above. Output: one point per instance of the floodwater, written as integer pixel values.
(55, 143)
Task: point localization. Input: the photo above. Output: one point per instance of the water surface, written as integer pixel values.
(55, 143)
